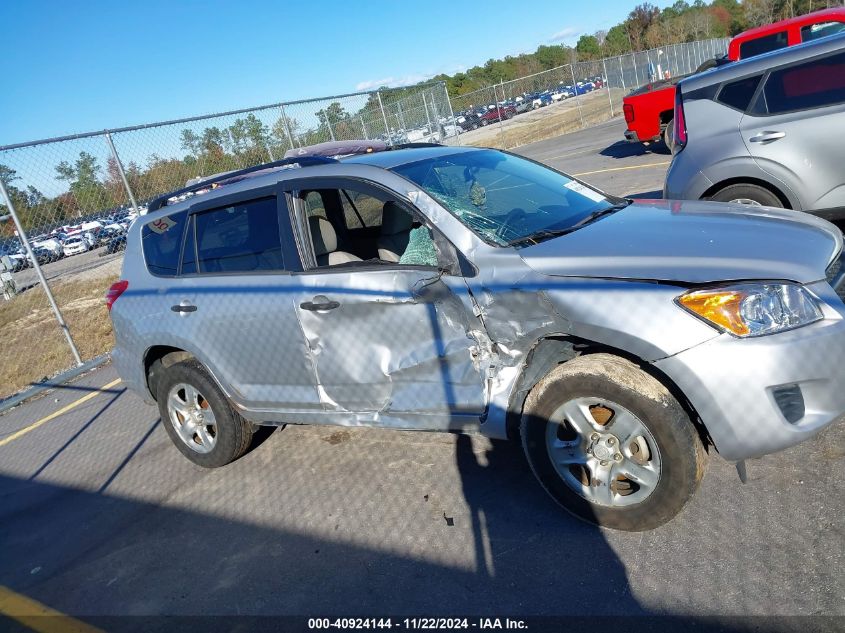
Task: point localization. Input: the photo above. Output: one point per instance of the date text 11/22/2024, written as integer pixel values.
(417, 623)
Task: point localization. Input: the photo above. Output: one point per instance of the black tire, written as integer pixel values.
(233, 434)
(742, 191)
(669, 134)
(483, 122)
(604, 376)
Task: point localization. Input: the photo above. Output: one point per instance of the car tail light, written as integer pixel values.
(628, 109)
(680, 131)
(114, 291)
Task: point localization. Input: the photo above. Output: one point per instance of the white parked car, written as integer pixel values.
(76, 244)
(53, 245)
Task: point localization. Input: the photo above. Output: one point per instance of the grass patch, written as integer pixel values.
(34, 346)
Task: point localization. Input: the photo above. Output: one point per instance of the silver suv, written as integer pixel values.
(464, 289)
(765, 131)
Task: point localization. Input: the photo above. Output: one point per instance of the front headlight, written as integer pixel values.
(753, 309)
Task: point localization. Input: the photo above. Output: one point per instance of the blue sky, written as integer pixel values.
(74, 67)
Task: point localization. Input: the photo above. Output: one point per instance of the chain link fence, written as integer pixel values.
(71, 199)
(65, 202)
(569, 97)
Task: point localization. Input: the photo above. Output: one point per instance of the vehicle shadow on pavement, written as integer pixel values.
(123, 564)
(624, 149)
(73, 438)
(527, 545)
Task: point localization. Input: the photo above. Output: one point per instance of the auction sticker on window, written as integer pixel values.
(577, 187)
(162, 224)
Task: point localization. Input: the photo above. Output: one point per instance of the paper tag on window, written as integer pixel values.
(577, 187)
(162, 225)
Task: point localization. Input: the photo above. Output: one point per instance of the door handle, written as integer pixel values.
(319, 304)
(767, 137)
(184, 307)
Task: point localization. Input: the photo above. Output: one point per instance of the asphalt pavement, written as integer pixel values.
(101, 515)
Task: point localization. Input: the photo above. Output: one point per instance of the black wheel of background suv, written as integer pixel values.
(747, 194)
(669, 135)
(611, 444)
(198, 417)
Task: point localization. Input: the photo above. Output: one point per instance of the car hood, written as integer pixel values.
(692, 242)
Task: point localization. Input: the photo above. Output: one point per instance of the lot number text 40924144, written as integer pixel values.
(417, 623)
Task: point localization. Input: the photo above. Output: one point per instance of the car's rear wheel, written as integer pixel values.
(483, 122)
(198, 417)
(742, 193)
(611, 444)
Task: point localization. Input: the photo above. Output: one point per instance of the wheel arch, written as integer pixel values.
(158, 358)
(750, 180)
(550, 351)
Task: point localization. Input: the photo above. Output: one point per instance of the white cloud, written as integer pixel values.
(393, 82)
(563, 34)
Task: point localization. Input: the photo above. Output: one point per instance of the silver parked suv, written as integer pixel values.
(765, 131)
(463, 289)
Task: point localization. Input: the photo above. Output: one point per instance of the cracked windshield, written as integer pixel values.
(506, 199)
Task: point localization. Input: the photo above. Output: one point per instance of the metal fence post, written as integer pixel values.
(427, 118)
(577, 96)
(607, 86)
(122, 173)
(452, 115)
(499, 112)
(622, 74)
(329, 125)
(384, 116)
(636, 74)
(287, 126)
(25, 241)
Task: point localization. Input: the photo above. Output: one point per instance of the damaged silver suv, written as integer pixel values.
(461, 289)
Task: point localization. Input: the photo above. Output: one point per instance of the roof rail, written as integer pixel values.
(302, 161)
(413, 145)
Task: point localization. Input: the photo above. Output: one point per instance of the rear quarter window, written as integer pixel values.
(161, 241)
(737, 94)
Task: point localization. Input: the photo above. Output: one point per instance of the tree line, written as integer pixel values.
(93, 188)
(646, 27)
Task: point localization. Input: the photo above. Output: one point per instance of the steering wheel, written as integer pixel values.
(512, 224)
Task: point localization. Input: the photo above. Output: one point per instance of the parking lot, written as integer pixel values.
(102, 516)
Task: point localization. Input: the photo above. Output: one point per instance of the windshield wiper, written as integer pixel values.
(546, 234)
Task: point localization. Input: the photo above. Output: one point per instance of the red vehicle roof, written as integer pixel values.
(836, 14)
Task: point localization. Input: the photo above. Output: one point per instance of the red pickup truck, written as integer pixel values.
(649, 109)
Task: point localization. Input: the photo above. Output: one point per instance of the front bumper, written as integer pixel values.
(732, 383)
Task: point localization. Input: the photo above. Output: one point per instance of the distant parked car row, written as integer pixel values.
(476, 117)
(67, 240)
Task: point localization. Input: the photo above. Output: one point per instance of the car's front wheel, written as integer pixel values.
(198, 417)
(611, 444)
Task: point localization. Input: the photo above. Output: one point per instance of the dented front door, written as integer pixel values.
(393, 346)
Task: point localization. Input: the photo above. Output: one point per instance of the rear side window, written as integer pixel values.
(737, 94)
(240, 238)
(161, 240)
(815, 31)
(761, 45)
(813, 84)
